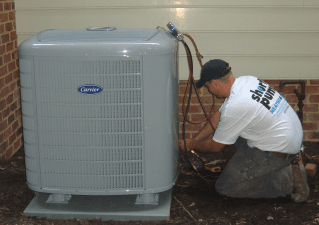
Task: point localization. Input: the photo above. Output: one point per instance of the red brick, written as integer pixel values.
(15, 125)
(187, 135)
(13, 36)
(8, 26)
(311, 169)
(5, 38)
(7, 133)
(198, 117)
(291, 98)
(6, 112)
(3, 146)
(13, 86)
(195, 109)
(12, 139)
(17, 144)
(3, 125)
(7, 6)
(9, 99)
(288, 89)
(314, 81)
(13, 106)
(12, 17)
(313, 135)
(15, 74)
(3, 70)
(19, 131)
(310, 126)
(5, 91)
(8, 78)
(11, 119)
(8, 153)
(2, 104)
(193, 127)
(314, 98)
(7, 58)
(310, 108)
(10, 47)
(4, 17)
(312, 90)
(16, 94)
(2, 48)
(313, 117)
(273, 82)
(12, 66)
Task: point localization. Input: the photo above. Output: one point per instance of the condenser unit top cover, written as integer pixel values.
(100, 111)
(99, 42)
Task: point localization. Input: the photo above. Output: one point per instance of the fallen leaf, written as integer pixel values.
(240, 222)
(270, 218)
(193, 204)
(186, 184)
(308, 156)
(14, 164)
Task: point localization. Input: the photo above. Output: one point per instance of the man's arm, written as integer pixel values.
(207, 132)
(203, 142)
(204, 146)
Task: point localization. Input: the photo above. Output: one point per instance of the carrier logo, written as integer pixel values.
(90, 89)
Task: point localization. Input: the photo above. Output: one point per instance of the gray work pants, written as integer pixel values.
(252, 173)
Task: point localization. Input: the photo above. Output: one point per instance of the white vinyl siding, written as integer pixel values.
(268, 39)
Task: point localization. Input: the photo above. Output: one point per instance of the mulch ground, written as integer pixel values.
(194, 201)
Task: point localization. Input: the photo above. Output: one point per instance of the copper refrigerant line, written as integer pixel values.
(185, 109)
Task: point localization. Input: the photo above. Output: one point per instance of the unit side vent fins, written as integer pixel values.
(90, 141)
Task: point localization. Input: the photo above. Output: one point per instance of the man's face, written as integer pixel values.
(214, 89)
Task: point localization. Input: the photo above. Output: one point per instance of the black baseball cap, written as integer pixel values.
(212, 70)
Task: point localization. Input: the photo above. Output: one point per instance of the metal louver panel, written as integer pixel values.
(90, 142)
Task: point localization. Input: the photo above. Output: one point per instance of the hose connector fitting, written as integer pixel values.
(174, 31)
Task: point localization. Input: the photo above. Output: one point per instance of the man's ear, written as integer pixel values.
(215, 83)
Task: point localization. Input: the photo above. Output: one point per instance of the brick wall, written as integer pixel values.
(10, 113)
(310, 109)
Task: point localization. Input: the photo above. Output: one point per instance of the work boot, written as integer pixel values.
(301, 190)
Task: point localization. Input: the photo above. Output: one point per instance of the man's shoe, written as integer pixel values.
(301, 190)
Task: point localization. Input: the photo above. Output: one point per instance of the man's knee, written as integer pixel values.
(220, 187)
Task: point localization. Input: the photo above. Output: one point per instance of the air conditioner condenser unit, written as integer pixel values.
(100, 122)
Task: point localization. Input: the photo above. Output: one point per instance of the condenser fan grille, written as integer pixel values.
(90, 141)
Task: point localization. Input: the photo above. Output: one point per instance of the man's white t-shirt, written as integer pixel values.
(258, 113)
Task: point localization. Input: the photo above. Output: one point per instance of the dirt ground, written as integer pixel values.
(194, 200)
